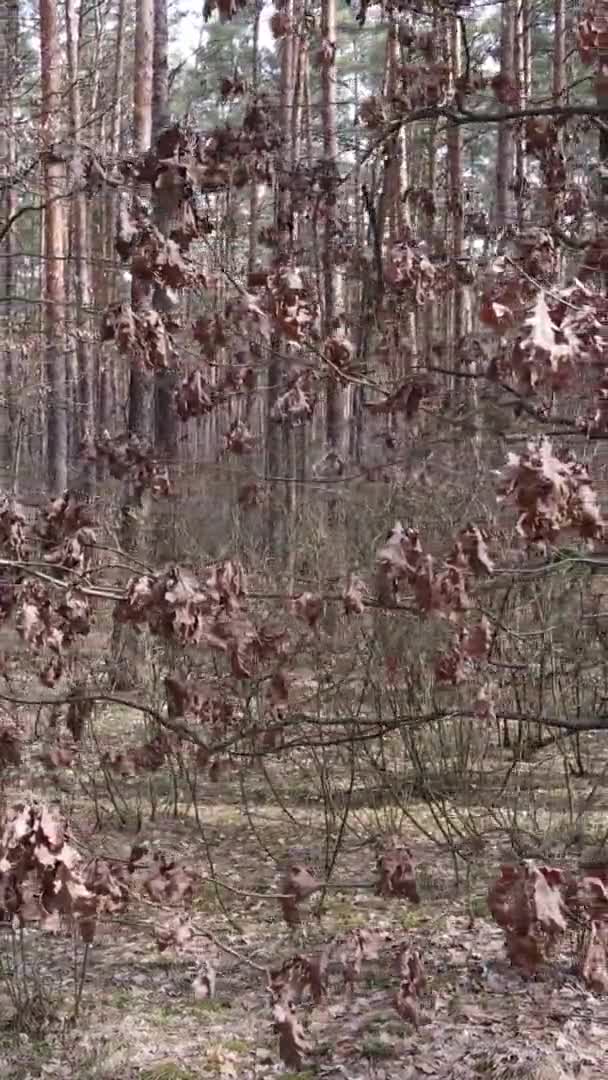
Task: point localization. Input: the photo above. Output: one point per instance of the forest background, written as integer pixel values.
(303, 406)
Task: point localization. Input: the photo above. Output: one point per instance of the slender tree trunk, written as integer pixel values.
(520, 66)
(107, 370)
(54, 226)
(165, 381)
(140, 385)
(456, 204)
(126, 646)
(9, 65)
(283, 229)
(504, 156)
(85, 397)
(335, 393)
(253, 187)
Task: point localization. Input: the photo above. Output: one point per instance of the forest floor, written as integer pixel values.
(140, 1018)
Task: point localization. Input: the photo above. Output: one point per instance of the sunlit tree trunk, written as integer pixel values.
(456, 205)
(504, 156)
(85, 404)
(335, 401)
(140, 386)
(165, 381)
(107, 371)
(283, 254)
(521, 66)
(126, 647)
(9, 63)
(253, 187)
(55, 246)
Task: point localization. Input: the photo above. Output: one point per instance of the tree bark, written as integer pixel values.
(54, 228)
(85, 397)
(504, 155)
(335, 394)
(283, 229)
(165, 382)
(456, 204)
(9, 65)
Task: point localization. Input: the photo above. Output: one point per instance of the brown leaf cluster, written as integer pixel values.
(411, 985)
(295, 404)
(410, 272)
(49, 625)
(144, 337)
(396, 871)
(528, 902)
(406, 398)
(297, 884)
(43, 878)
(12, 529)
(127, 455)
(552, 494)
(175, 606)
(198, 397)
(168, 882)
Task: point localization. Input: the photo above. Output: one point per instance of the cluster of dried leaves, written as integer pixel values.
(338, 965)
(536, 905)
(553, 494)
(127, 455)
(174, 605)
(45, 881)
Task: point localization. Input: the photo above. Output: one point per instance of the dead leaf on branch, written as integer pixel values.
(551, 494)
(309, 607)
(299, 973)
(42, 877)
(592, 962)
(528, 902)
(10, 747)
(296, 885)
(203, 985)
(354, 596)
(176, 933)
(406, 1004)
(356, 947)
(397, 872)
(293, 1043)
(170, 883)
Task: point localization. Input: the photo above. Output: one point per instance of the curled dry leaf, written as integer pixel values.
(397, 872)
(293, 1044)
(169, 883)
(412, 969)
(296, 885)
(308, 606)
(203, 986)
(174, 934)
(406, 1003)
(354, 596)
(288, 983)
(478, 640)
(528, 902)
(592, 962)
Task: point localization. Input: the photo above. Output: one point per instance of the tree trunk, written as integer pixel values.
(126, 646)
(140, 384)
(165, 382)
(253, 187)
(107, 371)
(54, 228)
(335, 393)
(504, 155)
(9, 74)
(283, 229)
(85, 404)
(456, 205)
